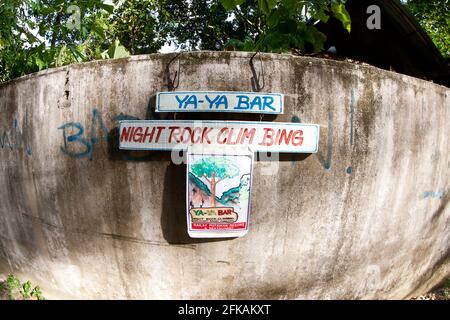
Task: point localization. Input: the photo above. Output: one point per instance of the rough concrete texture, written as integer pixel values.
(367, 217)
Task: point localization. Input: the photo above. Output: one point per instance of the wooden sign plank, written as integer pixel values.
(218, 101)
(258, 136)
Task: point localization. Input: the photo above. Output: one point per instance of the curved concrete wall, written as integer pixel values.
(367, 217)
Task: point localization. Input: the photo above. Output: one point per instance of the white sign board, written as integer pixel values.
(212, 101)
(218, 190)
(258, 136)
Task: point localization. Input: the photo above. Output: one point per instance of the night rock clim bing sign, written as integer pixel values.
(219, 171)
(258, 136)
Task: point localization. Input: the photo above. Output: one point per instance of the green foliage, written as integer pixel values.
(230, 4)
(434, 17)
(266, 6)
(285, 25)
(135, 25)
(39, 34)
(201, 24)
(37, 293)
(446, 289)
(14, 289)
(116, 51)
(220, 168)
(342, 15)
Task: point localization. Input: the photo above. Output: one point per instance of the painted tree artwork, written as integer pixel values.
(214, 170)
(218, 192)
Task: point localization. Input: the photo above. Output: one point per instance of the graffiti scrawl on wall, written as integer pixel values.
(12, 138)
(79, 142)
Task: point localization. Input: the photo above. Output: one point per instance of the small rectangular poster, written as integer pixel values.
(218, 192)
(220, 101)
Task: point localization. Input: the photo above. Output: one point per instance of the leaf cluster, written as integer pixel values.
(287, 25)
(14, 289)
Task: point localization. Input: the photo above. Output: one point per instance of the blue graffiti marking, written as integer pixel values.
(433, 195)
(352, 114)
(4, 141)
(122, 116)
(14, 138)
(75, 138)
(326, 162)
(97, 118)
(295, 119)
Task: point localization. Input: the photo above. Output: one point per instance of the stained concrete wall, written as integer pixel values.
(367, 217)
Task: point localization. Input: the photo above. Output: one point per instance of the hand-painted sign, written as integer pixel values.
(211, 101)
(218, 193)
(258, 136)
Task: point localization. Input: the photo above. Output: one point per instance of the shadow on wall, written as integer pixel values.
(173, 216)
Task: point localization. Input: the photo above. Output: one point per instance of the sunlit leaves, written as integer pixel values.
(247, 45)
(116, 51)
(342, 15)
(231, 4)
(289, 24)
(35, 35)
(434, 17)
(266, 6)
(136, 26)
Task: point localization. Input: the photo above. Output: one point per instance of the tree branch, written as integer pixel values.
(209, 181)
(240, 14)
(56, 29)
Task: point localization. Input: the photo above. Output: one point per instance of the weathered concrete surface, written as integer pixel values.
(367, 217)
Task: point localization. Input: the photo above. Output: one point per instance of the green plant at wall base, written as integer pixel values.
(286, 25)
(14, 289)
(447, 289)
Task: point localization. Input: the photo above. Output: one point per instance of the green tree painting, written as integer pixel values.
(214, 170)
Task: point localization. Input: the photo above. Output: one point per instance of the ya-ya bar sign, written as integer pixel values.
(258, 136)
(220, 154)
(216, 101)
